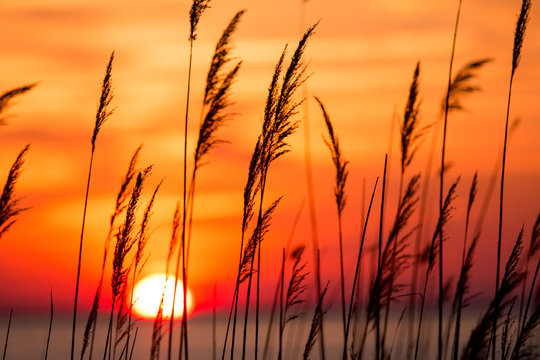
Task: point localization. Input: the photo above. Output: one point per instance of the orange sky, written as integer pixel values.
(361, 59)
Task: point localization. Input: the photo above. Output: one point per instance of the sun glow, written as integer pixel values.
(147, 297)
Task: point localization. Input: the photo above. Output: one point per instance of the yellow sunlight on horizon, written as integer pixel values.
(147, 295)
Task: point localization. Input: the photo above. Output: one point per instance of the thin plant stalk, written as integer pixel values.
(214, 305)
(441, 187)
(357, 271)
(309, 184)
(276, 292)
(7, 334)
(339, 192)
(282, 284)
(378, 295)
(50, 328)
(519, 35)
(102, 115)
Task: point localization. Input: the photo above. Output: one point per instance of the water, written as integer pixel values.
(29, 334)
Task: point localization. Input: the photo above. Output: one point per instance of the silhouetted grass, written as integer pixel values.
(519, 36)
(103, 113)
(340, 165)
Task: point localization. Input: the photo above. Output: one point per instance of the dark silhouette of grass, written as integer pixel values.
(7, 334)
(434, 252)
(340, 165)
(120, 205)
(142, 239)
(6, 97)
(50, 328)
(478, 345)
(316, 324)
(357, 272)
(125, 241)
(464, 277)
(103, 113)
(377, 282)
(197, 9)
(441, 184)
(9, 205)
(519, 35)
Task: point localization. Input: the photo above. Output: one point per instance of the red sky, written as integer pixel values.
(361, 59)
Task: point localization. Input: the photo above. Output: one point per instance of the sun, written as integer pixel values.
(147, 297)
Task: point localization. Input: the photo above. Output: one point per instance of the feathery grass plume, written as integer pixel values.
(250, 192)
(394, 260)
(519, 36)
(434, 252)
(102, 115)
(297, 286)
(410, 134)
(460, 300)
(534, 247)
(220, 58)
(505, 336)
(339, 192)
(277, 291)
(7, 96)
(523, 349)
(122, 316)
(457, 88)
(316, 324)
(9, 205)
(173, 243)
(357, 275)
(197, 8)
(535, 239)
(214, 118)
(462, 84)
(142, 239)
(7, 334)
(257, 236)
(277, 126)
(478, 345)
(124, 243)
(103, 112)
(519, 33)
(120, 204)
(50, 328)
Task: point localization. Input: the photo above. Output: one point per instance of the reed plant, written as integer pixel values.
(121, 202)
(197, 9)
(519, 36)
(102, 115)
(125, 240)
(340, 165)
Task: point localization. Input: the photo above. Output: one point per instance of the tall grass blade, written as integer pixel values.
(339, 192)
(519, 35)
(50, 329)
(103, 113)
(316, 324)
(7, 334)
(121, 202)
(357, 271)
(478, 344)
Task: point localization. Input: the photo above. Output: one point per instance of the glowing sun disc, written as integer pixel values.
(147, 297)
